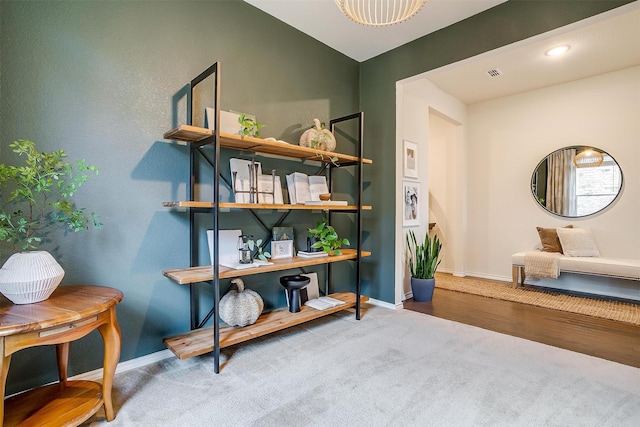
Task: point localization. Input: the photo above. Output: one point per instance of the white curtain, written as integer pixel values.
(561, 183)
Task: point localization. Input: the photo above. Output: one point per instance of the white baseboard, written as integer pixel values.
(128, 365)
(384, 304)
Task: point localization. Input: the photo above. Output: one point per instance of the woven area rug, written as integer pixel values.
(607, 309)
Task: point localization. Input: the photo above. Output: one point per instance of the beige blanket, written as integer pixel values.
(542, 264)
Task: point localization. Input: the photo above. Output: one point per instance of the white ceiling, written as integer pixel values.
(322, 20)
(600, 44)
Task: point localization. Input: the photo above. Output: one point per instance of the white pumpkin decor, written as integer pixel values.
(241, 307)
(318, 137)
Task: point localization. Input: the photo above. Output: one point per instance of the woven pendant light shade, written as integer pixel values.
(588, 158)
(378, 13)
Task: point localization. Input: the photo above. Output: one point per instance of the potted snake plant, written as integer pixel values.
(423, 259)
(34, 197)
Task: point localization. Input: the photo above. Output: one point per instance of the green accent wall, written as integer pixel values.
(105, 80)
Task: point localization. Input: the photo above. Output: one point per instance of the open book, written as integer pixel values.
(306, 190)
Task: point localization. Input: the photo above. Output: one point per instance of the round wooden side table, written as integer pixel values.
(70, 313)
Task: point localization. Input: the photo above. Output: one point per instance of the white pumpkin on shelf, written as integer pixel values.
(318, 137)
(240, 307)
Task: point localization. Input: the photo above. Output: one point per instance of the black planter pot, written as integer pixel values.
(310, 242)
(422, 289)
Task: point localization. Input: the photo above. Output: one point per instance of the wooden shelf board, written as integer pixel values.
(200, 341)
(190, 133)
(228, 205)
(185, 276)
(67, 405)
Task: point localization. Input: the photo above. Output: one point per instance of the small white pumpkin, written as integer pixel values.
(318, 137)
(241, 307)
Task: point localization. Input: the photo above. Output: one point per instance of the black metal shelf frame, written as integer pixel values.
(196, 154)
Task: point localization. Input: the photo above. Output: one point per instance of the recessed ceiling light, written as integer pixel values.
(558, 50)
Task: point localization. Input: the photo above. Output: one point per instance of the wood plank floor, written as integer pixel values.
(607, 339)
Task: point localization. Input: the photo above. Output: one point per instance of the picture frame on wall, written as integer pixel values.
(410, 159)
(411, 205)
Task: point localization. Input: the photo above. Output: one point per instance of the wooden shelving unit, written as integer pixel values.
(194, 134)
(282, 207)
(202, 340)
(186, 276)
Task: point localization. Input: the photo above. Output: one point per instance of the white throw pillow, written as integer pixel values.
(577, 242)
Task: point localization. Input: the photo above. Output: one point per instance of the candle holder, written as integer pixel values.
(244, 249)
(254, 189)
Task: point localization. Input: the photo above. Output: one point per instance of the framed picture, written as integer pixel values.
(281, 249)
(282, 233)
(411, 211)
(410, 159)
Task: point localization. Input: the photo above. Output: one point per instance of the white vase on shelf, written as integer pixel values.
(29, 277)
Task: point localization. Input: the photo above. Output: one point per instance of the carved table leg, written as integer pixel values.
(62, 352)
(111, 336)
(4, 370)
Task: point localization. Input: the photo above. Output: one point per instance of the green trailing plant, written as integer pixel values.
(37, 195)
(262, 255)
(332, 159)
(326, 238)
(424, 257)
(249, 126)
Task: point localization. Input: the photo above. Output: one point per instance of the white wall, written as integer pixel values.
(418, 101)
(486, 155)
(508, 136)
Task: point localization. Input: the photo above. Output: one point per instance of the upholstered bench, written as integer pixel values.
(596, 266)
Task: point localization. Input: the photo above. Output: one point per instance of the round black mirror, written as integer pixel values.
(576, 181)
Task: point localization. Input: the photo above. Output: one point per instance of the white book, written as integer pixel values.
(304, 254)
(291, 189)
(265, 185)
(317, 186)
(298, 188)
(326, 202)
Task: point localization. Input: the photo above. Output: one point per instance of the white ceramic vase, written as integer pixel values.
(29, 277)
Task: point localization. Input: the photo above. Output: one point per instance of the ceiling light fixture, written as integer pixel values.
(558, 50)
(588, 158)
(378, 13)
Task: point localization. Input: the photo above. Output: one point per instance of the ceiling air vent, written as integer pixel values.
(494, 72)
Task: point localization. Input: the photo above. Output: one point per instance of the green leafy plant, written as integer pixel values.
(37, 195)
(261, 255)
(249, 126)
(424, 257)
(326, 238)
(332, 159)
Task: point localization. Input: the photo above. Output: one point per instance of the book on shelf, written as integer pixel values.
(323, 303)
(326, 202)
(317, 186)
(305, 254)
(306, 190)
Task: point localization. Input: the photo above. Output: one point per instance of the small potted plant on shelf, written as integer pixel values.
(249, 126)
(246, 245)
(324, 237)
(423, 258)
(35, 197)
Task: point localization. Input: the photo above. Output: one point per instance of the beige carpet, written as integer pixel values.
(392, 368)
(607, 309)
